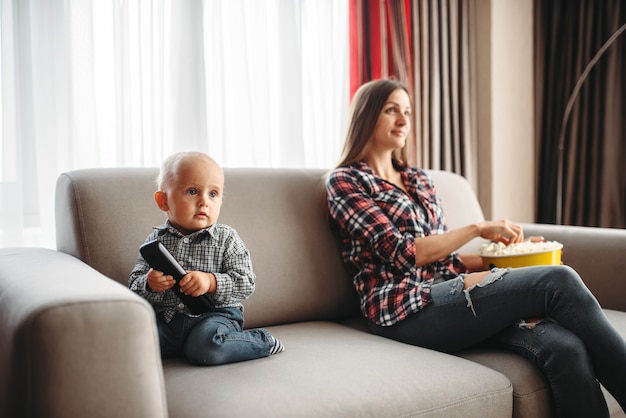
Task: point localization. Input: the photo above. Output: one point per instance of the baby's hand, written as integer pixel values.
(159, 282)
(196, 283)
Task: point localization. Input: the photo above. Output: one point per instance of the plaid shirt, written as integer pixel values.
(378, 223)
(217, 249)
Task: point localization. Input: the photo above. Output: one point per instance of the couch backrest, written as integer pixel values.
(459, 203)
(104, 215)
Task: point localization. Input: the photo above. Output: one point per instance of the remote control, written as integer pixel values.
(162, 260)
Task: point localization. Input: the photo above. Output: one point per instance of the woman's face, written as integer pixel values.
(394, 123)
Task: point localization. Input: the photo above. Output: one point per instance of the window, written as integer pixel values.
(125, 83)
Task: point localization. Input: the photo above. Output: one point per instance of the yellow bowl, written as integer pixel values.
(539, 258)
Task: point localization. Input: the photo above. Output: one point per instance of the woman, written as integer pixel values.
(415, 288)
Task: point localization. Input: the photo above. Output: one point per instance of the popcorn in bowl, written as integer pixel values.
(523, 254)
(526, 247)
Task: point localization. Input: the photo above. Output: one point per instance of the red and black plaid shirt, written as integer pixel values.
(378, 223)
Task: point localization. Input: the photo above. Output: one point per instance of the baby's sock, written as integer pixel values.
(277, 347)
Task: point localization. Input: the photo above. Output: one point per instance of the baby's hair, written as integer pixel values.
(169, 166)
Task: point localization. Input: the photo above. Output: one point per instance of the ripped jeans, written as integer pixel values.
(573, 345)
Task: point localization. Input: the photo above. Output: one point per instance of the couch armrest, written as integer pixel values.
(597, 254)
(74, 343)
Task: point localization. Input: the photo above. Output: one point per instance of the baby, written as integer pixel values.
(190, 189)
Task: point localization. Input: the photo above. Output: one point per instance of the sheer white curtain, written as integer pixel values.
(107, 83)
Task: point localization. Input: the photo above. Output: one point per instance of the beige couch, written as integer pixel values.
(77, 343)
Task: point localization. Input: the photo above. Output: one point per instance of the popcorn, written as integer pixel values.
(494, 249)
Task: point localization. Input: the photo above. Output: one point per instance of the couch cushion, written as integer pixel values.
(459, 203)
(103, 216)
(531, 396)
(281, 214)
(331, 370)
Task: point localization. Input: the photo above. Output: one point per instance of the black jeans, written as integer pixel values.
(574, 345)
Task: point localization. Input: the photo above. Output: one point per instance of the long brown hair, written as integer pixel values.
(367, 104)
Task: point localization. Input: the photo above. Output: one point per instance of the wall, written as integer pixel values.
(505, 102)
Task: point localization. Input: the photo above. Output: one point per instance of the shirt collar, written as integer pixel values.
(362, 165)
(403, 170)
(168, 227)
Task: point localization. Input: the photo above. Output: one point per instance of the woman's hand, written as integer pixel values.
(536, 238)
(503, 231)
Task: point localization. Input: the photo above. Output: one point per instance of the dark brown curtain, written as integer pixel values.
(589, 154)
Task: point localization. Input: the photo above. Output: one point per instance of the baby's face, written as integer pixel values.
(194, 198)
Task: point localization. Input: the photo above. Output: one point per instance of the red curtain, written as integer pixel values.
(381, 47)
(380, 41)
(426, 44)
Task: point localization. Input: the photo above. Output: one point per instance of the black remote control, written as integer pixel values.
(162, 260)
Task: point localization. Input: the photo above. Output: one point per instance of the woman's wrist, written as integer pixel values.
(476, 230)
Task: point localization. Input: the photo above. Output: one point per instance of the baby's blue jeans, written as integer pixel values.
(573, 345)
(213, 338)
